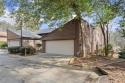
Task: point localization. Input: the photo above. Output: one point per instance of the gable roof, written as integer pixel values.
(44, 31)
(25, 34)
(68, 31)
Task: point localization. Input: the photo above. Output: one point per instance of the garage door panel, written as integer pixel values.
(65, 47)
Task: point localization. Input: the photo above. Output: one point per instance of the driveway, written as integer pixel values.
(42, 68)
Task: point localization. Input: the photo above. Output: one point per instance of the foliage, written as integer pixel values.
(107, 49)
(4, 25)
(27, 50)
(14, 49)
(3, 44)
(1, 7)
(122, 53)
(52, 12)
(56, 12)
(104, 12)
(121, 29)
(116, 39)
(21, 50)
(110, 47)
(38, 45)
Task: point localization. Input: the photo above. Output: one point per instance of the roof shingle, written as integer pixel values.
(26, 34)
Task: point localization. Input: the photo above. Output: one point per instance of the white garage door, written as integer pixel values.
(13, 43)
(65, 47)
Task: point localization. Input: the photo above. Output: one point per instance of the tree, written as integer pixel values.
(1, 7)
(4, 25)
(55, 12)
(116, 39)
(105, 11)
(122, 26)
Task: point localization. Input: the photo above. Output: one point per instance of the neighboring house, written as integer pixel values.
(14, 38)
(66, 40)
(3, 36)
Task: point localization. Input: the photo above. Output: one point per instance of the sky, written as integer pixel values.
(6, 17)
(113, 25)
(10, 20)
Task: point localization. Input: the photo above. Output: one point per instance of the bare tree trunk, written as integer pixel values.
(105, 43)
(78, 14)
(107, 39)
(81, 39)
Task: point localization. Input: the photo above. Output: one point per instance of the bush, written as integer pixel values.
(109, 47)
(27, 49)
(107, 51)
(3, 44)
(38, 45)
(122, 53)
(32, 50)
(21, 50)
(14, 49)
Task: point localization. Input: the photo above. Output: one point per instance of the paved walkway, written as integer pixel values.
(41, 68)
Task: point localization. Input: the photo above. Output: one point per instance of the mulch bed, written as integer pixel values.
(114, 67)
(116, 71)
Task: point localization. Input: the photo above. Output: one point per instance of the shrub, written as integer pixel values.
(24, 49)
(122, 53)
(32, 50)
(109, 47)
(3, 44)
(107, 51)
(21, 50)
(14, 49)
(27, 49)
(38, 45)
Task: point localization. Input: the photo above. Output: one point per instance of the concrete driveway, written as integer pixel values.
(42, 68)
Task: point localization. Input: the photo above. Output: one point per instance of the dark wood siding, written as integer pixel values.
(68, 31)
